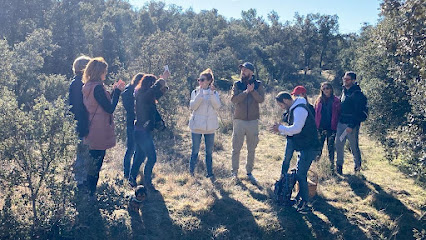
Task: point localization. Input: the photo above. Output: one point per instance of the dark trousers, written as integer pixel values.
(330, 136)
(97, 158)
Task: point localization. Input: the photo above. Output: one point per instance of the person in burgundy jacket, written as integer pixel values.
(327, 111)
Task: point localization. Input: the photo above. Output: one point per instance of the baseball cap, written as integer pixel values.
(247, 65)
(298, 90)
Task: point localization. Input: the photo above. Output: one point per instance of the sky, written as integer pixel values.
(352, 13)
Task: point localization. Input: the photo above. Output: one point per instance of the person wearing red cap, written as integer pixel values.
(247, 94)
(300, 91)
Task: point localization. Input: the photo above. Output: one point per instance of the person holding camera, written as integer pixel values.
(100, 106)
(247, 94)
(147, 93)
(205, 103)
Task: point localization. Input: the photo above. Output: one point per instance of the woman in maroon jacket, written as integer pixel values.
(327, 111)
(100, 106)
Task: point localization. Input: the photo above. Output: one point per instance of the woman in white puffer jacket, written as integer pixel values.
(205, 103)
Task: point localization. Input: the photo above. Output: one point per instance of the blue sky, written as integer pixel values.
(352, 13)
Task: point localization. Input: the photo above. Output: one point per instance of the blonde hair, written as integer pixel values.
(208, 73)
(80, 64)
(94, 69)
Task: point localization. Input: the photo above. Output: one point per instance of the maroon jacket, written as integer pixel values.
(101, 124)
(335, 113)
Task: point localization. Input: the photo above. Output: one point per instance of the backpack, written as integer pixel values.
(363, 113)
(284, 187)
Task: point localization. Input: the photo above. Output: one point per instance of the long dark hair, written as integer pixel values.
(146, 82)
(136, 79)
(322, 97)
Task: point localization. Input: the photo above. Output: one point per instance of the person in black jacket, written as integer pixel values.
(147, 93)
(131, 170)
(81, 117)
(352, 102)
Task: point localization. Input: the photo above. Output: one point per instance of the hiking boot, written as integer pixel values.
(339, 169)
(251, 178)
(234, 176)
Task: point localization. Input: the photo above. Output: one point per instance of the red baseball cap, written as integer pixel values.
(298, 90)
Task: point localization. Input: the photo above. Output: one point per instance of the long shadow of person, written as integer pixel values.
(389, 204)
(156, 220)
(226, 219)
(343, 227)
(89, 222)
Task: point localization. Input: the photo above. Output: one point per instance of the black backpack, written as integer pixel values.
(284, 187)
(363, 113)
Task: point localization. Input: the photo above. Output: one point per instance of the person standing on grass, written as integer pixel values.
(327, 111)
(147, 93)
(100, 105)
(305, 139)
(81, 116)
(247, 94)
(131, 170)
(205, 103)
(352, 102)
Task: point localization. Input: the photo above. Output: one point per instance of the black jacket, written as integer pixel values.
(77, 106)
(129, 104)
(352, 101)
(147, 115)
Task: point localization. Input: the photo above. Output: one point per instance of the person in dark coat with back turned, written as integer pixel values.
(100, 106)
(147, 93)
(81, 116)
(131, 170)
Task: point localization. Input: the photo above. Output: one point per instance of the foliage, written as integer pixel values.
(391, 61)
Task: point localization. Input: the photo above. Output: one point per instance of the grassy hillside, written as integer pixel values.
(381, 203)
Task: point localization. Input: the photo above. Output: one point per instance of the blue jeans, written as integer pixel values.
(288, 154)
(196, 141)
(353, 142)
(145, 147)
(303, 164)
(81, 162)
(130, 152)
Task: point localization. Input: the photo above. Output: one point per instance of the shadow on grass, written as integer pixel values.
(226, 219)
(156, 220)
(390, 205)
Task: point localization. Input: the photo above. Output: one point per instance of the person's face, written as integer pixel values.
(246, 73)
(203, 82)
(326, 90)
(347, 81)
(103, 76)
(140, 197)
(285, 104)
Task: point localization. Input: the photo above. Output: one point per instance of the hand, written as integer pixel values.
(212, 87)
(165, 75)
(274, 128)
(348, 130)
(120, 84)
(250, 87)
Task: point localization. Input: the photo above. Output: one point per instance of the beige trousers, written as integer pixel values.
(249, 129)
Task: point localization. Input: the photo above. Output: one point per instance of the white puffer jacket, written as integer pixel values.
(204, 105)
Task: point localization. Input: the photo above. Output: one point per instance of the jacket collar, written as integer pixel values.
(297, 101)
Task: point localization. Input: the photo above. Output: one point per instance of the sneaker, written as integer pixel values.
(357, 170)
(133, 182)
(339, 169)
(303, 207)
(251, 178)
(210, 176)
(234, 176)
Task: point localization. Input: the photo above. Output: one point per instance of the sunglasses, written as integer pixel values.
(346, 79)
(202, 79)
(326, 88)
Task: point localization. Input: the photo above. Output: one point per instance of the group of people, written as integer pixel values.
(306, 127)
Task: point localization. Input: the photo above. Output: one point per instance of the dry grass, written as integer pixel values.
(381, 203)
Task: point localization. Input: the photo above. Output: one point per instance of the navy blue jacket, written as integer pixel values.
(129, 104)
(352, 101)
(77, 106)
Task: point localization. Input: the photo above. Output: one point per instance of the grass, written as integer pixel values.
(381, 203)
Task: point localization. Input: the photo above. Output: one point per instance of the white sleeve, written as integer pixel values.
(300, 114)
